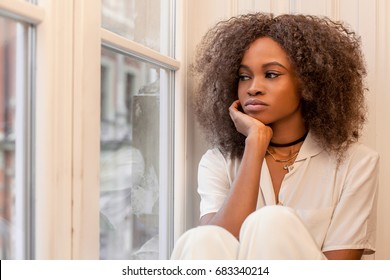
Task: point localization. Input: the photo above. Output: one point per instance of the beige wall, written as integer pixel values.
(368, 18)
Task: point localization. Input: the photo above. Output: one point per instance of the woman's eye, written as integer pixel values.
(243, 77)
(271, 75)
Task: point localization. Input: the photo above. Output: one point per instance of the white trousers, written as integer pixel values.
(271, 233)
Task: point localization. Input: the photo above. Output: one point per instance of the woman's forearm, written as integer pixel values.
(242, 199)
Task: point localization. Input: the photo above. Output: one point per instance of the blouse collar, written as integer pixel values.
(310, 148)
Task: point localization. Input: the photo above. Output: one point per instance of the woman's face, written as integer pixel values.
(268, 86)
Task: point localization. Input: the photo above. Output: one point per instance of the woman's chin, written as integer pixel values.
(260, 117)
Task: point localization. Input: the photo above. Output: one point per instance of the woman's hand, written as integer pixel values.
(248, 125)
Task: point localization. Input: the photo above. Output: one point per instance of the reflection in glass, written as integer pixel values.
(13, 67)
(130, 139)
(146, 22)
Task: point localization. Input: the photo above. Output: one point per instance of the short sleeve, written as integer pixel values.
(213, 181)
(353, 224)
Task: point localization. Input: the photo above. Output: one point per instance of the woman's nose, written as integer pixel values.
(255, 89)
(254, 92)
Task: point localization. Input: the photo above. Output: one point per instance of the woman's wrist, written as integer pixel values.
(259, 141)
(260, 135)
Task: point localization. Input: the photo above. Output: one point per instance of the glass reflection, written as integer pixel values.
(129, 201)
(13, 65)
(144, 21)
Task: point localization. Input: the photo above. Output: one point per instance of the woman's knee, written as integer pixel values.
(206, 242)
(203, 233)
(269, 220)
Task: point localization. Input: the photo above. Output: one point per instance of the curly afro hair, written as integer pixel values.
(327, 59)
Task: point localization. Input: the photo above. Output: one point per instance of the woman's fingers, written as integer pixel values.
(246, 124)
(233, 109)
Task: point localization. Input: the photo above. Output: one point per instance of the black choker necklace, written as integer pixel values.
(291, 143)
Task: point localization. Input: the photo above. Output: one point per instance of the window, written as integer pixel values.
(136, 152)
(16, 195)
(130, 152)
(99, 142)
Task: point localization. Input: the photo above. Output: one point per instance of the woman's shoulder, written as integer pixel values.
(359, 151)
(360, 156)
(215, 158)
(217, 154)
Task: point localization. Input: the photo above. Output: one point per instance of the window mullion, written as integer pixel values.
(53, 163)
(86, 129)
(125, 46)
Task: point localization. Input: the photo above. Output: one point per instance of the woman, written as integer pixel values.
(286, 177)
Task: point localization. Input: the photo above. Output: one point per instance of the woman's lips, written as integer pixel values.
(255, 105)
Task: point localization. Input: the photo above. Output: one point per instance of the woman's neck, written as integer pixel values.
(288, 135)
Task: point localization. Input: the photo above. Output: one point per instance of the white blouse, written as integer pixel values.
(336, 203)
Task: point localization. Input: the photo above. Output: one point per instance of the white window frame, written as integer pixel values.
(67, 126)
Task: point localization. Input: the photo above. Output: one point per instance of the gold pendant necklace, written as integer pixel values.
(287, 165)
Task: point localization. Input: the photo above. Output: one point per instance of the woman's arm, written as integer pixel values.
(353, 221)
(350, 254)
(242, 198)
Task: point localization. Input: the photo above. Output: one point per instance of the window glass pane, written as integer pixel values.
(130, 156)
(13, 189)
(147, 22)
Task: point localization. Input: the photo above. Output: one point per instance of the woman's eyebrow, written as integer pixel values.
(274, 63)
(268, 64)
(244, 66)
